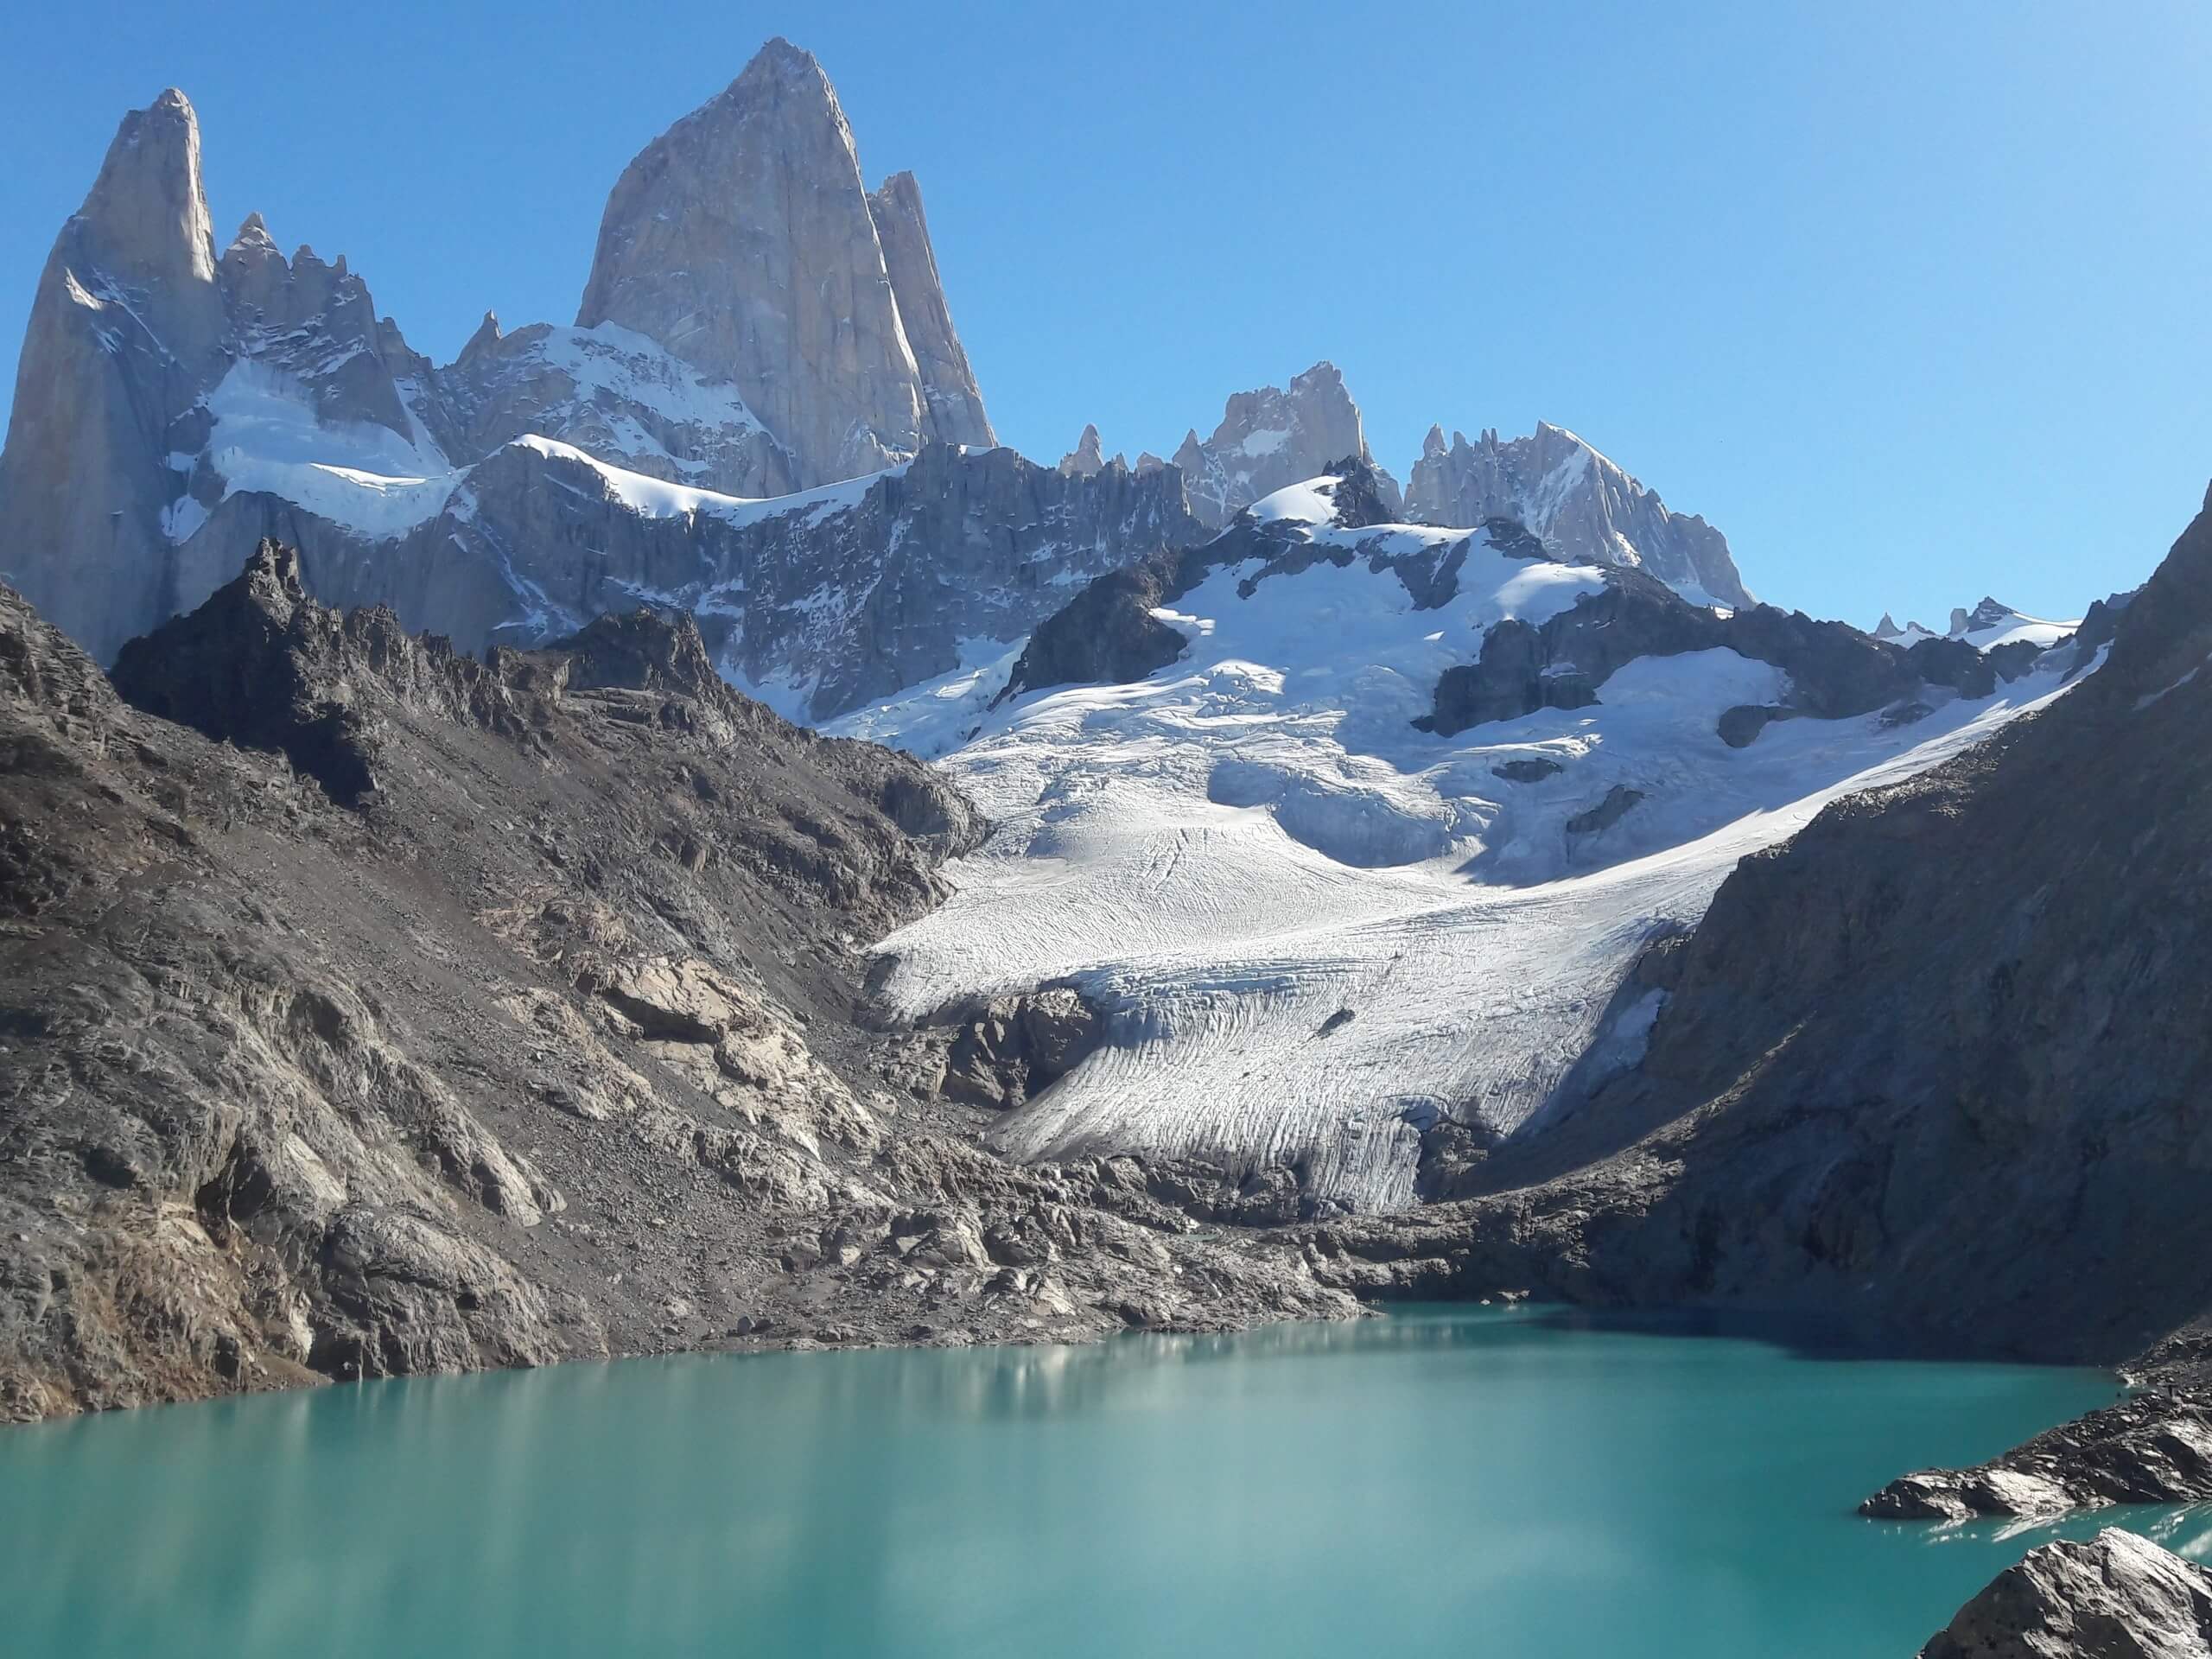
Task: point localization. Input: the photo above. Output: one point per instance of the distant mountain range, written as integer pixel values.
(756, 324)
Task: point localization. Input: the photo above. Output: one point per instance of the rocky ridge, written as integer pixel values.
(1583, 506)
(756, 324)
(1989, 1176)
(374, 1009)
(1110, 633)
(159, 382)
(817, 602)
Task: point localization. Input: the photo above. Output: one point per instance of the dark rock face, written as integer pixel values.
(1618, 802)
(552, 1041)
(1957, 665)
(2154, 1448)
(2097, 629)
(1834, 671)
(1018, 1046)
(1740, 726)
(1106, 635)
(2115, 1596)
(1937, 1068)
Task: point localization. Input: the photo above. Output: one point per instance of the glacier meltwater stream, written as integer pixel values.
(1432, 1482)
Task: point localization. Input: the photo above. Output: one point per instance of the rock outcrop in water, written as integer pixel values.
(2115, 1596)
(2154, 1448)
(373, 1009)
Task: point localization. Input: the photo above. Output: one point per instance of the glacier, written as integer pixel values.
(1316, 931)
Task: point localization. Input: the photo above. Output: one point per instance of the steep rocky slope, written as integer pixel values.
(372, 1009)
(1937, 1067)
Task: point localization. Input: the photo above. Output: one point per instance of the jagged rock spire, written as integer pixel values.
(1586, 509)
(1087, 458)
(953, 403)
(145, 220)
(744, 242)
(1272, 437)
(127, 330)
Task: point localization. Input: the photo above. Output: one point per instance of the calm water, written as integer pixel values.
(1433, 1483)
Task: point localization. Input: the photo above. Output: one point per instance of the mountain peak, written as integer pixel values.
(782, 80)
(1583, 505)
(952, 402)
(780, 58)
(1087, 458)
(1990, 613)
(1269, 437)
(253, 234)
(145, 219)
(743, 242)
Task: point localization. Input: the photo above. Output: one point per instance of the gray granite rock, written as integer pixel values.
(127, 331)
(374, 1010)
(743, 241)
(1586, 509)
(1271, 437)
(2115, 1596)
(2152, 1448)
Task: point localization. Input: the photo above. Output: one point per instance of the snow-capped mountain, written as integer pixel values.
(1992, 623)
(1270, 438)
(744, 241)
(176, 405)
(1582, 504)
(159, 381)
(1322, 919)
(1986, 626)
(1352, 826)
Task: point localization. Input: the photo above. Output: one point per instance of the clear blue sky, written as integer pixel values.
(1911, 299)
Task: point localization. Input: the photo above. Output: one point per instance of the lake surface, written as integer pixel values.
(1435, 1482)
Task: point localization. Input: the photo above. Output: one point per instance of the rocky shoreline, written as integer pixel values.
(374, 1011)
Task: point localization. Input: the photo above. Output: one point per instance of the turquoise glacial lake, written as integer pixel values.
(1458, 1482)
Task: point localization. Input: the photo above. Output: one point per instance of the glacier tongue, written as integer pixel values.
(1316, 930)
